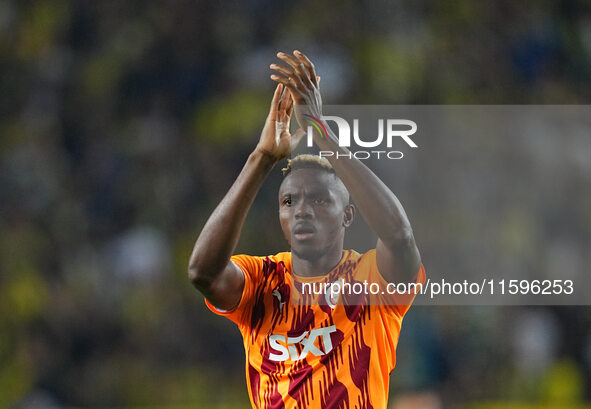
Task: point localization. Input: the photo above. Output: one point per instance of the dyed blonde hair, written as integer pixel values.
(307, 161)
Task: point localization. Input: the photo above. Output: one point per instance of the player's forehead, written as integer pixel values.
(310, 180)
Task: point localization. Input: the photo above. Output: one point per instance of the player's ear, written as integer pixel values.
(349, 215)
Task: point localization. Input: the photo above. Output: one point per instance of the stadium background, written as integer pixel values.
(122, 123)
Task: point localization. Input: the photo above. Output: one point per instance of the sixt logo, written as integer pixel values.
(392, 128)
(285, 347)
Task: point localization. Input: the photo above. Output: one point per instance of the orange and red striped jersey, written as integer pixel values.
(314, 354)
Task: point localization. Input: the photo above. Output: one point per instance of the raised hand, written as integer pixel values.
(302, 82)
(276, 139)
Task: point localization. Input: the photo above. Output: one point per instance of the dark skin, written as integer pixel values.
(317, 213)
(314, 212)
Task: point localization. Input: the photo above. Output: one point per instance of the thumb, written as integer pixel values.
(296, 138)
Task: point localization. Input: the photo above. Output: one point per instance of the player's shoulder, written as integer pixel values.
(284, 256)
(362, 264)
(355, 256)
(258, 262)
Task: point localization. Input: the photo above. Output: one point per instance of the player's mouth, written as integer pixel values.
(303, 231)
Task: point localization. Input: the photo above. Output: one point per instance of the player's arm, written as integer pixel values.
(397, 255)
(210, 268)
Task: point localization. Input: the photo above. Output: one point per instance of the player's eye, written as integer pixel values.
(319, 201)
(287, 201)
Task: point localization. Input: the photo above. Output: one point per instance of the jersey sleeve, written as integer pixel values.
(252, 268)
(398, 302)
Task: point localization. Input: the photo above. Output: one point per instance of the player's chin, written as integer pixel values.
(307, 251)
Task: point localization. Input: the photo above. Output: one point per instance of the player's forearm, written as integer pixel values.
(378, 205)
(218, 239)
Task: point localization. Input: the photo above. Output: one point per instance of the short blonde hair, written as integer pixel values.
(307, 161)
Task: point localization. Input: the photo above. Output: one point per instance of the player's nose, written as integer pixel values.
(303, 209)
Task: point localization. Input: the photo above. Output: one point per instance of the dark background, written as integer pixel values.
(123, 123)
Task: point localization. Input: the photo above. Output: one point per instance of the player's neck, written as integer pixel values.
(318, 267)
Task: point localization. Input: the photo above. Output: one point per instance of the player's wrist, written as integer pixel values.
(264, 158)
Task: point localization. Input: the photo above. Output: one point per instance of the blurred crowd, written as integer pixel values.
(122, 124)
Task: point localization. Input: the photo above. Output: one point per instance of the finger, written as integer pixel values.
(288, 109)
(284, 102)
(281, 121)
(281, 69)
(294, 77)
(295, 92)
(289, 73)
(283, 81)
(318, 79)
(308, 65)
(289, 105)
(276, 98)
(296, 64)
(283, 92)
